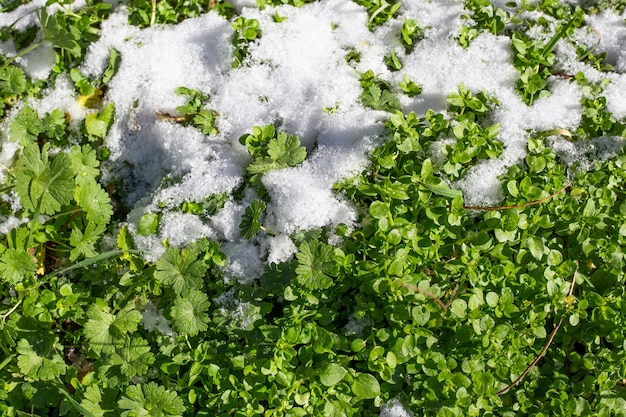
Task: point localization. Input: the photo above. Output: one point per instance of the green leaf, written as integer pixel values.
(95, 398)
(25, 127)
(84, 164)
(251, 221)
(41, 361)
(148, 224)
(459, 308)
(41, 183)
(150, 400)
(316, 265)
(15, 264)
(282, 152)
(12, 81)
(206, 121)
(365, 386)
(189, 313)
(331, 374)
(97, 124)
(84, 242)
(112, 66)
(107, 332)
(444, 190)
(94, 201)
(379, 99)
(536, 247)
(58, 32)
(379, 210)
(134, 359)
(180, 269)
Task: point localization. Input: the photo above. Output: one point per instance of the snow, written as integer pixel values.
(394, 408)
(295, 70)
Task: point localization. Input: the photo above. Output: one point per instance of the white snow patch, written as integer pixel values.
(281, 249)
(394, 408)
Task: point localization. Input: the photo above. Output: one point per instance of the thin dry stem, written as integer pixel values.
(530, 203)
(444, 306)
(546, 346)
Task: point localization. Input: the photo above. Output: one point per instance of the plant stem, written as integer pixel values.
(153, 13)
(546, 346)
(530, 203)
(19, 54)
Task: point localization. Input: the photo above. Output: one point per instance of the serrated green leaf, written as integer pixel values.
(251, 221)
(283, 151)
(84, 163)
(181, 269)
(134, 359)
(150, 400)
(41, 361)
(25, 127)
(58, 32)
(379, 99)
(15, 264)
(84, 241)
(41, 183)
(316, 265)
(12, 81)
(107, 332)
(189, 313)
(94, 201)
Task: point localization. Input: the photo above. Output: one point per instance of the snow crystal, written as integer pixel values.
(611, 30)
(181, 229)
(614, 94)
(244, 261)
(281, 249)
(153, 319)
(394, 408)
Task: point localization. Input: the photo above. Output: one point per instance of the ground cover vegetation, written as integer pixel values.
(428, 303)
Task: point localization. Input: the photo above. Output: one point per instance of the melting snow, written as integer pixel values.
(295, 70)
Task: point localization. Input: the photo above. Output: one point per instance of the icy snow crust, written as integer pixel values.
(295, 70)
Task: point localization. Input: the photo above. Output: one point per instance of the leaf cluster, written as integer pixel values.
(195, 112)
(246, 32)
(377, 93)
(271, 150)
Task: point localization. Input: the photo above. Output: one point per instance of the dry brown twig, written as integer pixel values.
(546, 346)
(444, 306)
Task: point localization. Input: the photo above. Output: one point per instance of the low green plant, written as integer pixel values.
(246, 32)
